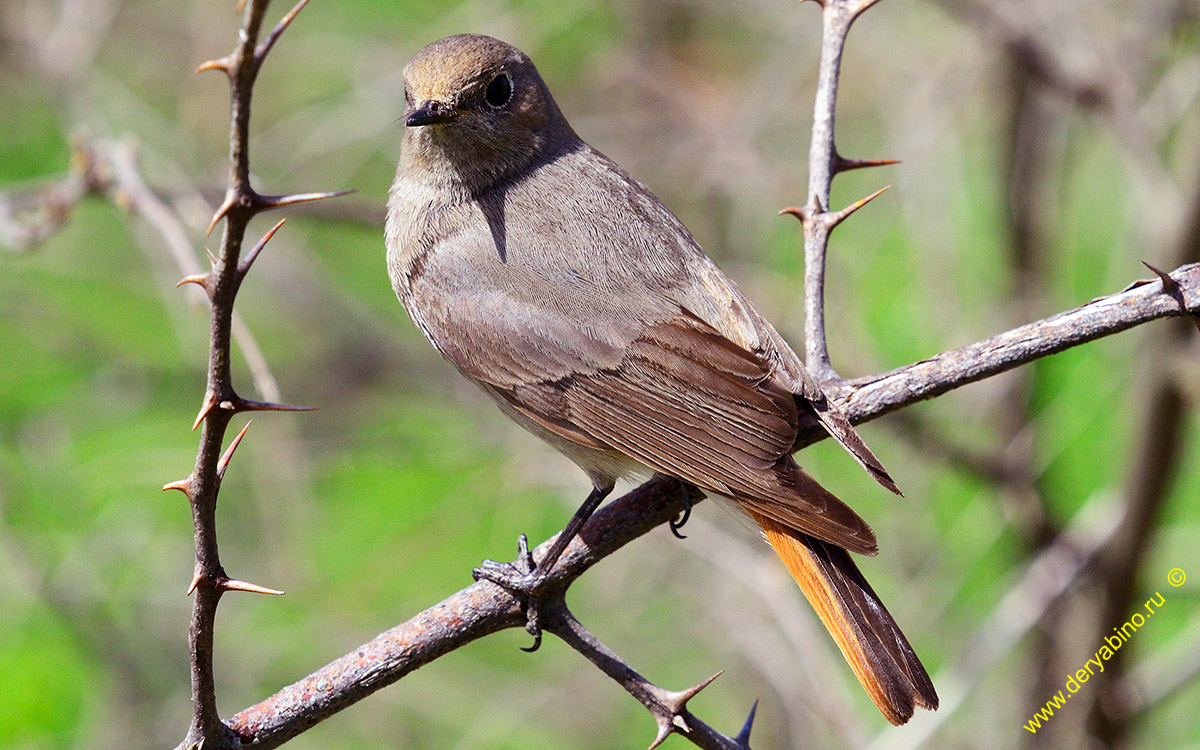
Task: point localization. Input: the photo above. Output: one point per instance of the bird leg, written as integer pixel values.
(526, 578)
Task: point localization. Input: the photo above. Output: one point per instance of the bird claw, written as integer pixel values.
(677, 523)
(524, 581)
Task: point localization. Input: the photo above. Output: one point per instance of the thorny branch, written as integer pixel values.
(221, 402)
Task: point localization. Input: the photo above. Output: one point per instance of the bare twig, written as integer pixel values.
(481, 609)
(28, 218)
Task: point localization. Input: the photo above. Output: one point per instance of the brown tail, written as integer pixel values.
(869, 638)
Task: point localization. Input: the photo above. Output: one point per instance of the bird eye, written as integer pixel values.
(499, 91)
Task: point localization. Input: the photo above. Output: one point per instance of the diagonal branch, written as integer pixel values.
(478, 610)
(873, 396)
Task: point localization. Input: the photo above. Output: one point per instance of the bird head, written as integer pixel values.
(477, 110)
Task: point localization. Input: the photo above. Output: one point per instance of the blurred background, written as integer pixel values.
(1047, 148)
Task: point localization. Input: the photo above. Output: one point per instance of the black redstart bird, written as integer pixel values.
(584, 308)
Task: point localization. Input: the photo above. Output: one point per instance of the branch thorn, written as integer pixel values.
(743, 737)
(842, 164)
(179, 484)
(840, 216)
(244, 266)
(242, 404)
(199, 279)
(232, 584)
(195, 581)
(677, 701)
(1171, 289)
(221, 63)
(664, 731)
(209, 403)
(798, 212)
(220, 214)
(223, 464)
(675, 704)
(268, 202)
(1170, 286)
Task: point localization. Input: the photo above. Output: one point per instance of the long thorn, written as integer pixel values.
(1170, 285)
(245, 405)
(232, 584)
(223, 464)
(264, 48)
(797, 211)
(209, 403)
(248, 261)
(842, 164)
(677, 702)
(840, 216)
(664, 731)
(268, 202)
(743, 737)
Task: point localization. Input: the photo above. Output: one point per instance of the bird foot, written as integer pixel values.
(524, 581)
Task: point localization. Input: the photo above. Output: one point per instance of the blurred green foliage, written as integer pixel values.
(379, 504)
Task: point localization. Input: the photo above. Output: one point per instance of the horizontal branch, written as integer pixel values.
(483, 608)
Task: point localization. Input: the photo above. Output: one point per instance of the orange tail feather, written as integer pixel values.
(869, 638)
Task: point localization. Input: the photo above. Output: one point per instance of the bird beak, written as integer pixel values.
(430, 113)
